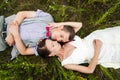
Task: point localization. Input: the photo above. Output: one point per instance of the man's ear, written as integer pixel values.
(60, 27)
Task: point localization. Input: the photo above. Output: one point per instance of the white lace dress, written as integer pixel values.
(110, 51)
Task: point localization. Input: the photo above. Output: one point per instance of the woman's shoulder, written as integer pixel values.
(77, 37)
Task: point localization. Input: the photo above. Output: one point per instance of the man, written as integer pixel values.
(35, 26)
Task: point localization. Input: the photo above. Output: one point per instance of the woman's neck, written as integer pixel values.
(61, 54)
(65, 51)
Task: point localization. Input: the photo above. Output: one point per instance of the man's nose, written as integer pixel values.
(59, 39)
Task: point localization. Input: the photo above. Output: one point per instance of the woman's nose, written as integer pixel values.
(55, 41)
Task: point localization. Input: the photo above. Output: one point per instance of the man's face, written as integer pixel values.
(60, 35)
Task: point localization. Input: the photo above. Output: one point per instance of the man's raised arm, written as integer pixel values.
(18, 41)
(20, 16)
(75, 25)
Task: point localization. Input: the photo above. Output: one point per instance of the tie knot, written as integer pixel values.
(48, 28)
(47, 31)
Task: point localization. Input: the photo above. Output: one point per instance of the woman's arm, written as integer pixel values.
(75, 25)
(92, 65)
(79, 68)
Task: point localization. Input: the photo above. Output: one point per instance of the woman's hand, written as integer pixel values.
(97, 46)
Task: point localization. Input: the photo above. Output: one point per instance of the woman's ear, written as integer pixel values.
(51, 54)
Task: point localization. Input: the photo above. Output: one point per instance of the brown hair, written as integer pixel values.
(70, 30)
(41, 49)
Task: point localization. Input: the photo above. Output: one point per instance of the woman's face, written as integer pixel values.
(52, 46)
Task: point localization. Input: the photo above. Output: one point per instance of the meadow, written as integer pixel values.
(94, 14)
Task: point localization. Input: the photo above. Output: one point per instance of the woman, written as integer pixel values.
(100, 47)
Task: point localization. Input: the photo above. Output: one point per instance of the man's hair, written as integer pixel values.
(70, 30)
(41, 49)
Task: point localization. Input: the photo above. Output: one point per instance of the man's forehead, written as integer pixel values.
(67, 36)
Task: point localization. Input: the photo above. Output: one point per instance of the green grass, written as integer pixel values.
(94, 14)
